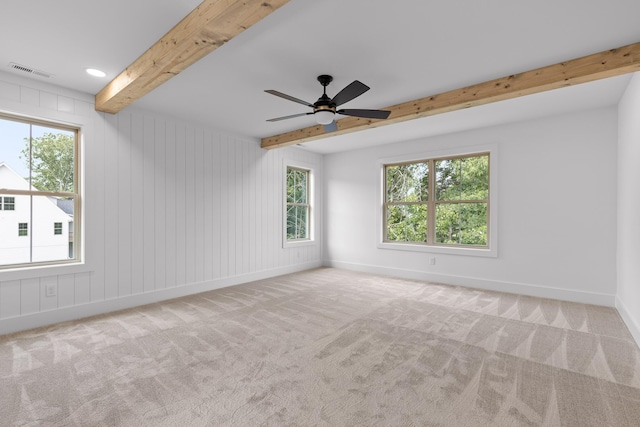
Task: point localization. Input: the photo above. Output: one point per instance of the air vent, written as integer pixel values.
(29, 70)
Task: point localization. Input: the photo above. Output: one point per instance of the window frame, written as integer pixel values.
(23, 229)
(309, 168)
(76, 194)
(491, 250)
(4, 203)
(57, 230)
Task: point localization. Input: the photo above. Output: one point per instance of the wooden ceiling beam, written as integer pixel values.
(206, 28)
(600, 65)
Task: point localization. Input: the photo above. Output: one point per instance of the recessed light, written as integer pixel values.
(95, 73)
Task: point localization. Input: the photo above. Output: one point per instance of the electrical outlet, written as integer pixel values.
(50, 290)
(432, 260)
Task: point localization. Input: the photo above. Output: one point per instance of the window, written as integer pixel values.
(438, 202)
(40, 185)
(298, 208)
(9, 203)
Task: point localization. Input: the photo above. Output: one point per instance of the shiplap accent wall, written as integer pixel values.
(171, 208)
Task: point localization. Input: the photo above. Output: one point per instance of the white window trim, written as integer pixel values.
(286, 163)
(492, 250)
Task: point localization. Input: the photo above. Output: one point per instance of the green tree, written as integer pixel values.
(51, 161)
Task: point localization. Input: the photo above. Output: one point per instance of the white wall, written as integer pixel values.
(557, 210)
(628, 301)
(171, 208)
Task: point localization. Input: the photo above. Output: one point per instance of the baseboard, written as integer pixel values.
(46, 318)
(632, 324)
(492, 285)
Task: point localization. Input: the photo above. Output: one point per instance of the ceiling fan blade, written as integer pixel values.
(277, 119)
(369, 114)
(289, 97)
(350, 92)
(331, 127)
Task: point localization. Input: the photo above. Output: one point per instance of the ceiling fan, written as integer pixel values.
(324, 109)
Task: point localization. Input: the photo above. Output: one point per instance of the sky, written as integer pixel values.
(12, 136)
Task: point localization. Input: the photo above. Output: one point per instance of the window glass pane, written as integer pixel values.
(23, 229)
(14, 164)
(473, 220)
(52, 159)
(447, 224)
(300, 194)
(407, 183)
(461, 224)
(297, 185)
(49, 246)
(8, 203)
(291, 182)
(297, 220)
(407, 223)
(463, 178)
(448, 177)
(474, 182)
(14, 237)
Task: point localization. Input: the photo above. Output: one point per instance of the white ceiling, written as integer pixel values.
(404, 50)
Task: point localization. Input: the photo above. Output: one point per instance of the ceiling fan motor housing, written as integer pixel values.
(324, 103)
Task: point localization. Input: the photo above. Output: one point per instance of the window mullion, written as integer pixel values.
(431, 204)
(406, 203)
(385, 204)
(457, 202)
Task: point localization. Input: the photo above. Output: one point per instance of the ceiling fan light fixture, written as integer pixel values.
(324, 117)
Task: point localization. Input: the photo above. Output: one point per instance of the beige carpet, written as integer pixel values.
(328, 347)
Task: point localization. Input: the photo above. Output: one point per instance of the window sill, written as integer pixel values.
(298, 243)
(29, 272)
(477, 252)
